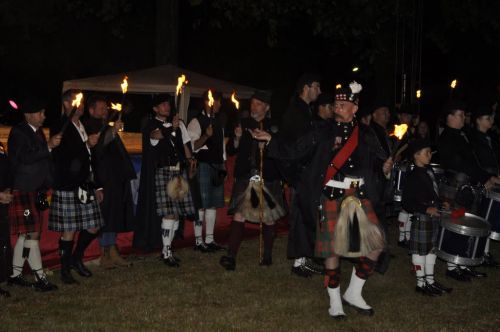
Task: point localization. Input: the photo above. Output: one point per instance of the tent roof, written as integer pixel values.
(156, 80)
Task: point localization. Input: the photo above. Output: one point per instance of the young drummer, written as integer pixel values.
(420, 198)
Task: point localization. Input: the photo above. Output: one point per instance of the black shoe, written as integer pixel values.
(170, 261)
(43, 285)
(4, 293)
(313, 267)
(266, 261)
(67, 277)
(428, 290)
(490, 261)
(228, 262)
(213, 246)
(457, 274)
(301, 271)
(202, 247)
(362, 311)
(441, 287)
(473, 273)
(79, 267)
(339, 317)
(19, 281)
(403, 244)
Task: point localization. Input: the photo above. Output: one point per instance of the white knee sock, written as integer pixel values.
(198, 231)
(430, 262)
(336, 308)
(402, 220)
(299, 261)
(17, 256)
(419, 266)
(210, 215)
(167, 228)
(35, 258)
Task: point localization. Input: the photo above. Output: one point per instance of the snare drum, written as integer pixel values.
(400, 171)
(462, 240)
(491, 212)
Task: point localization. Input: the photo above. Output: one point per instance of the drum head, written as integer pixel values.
(469, 224)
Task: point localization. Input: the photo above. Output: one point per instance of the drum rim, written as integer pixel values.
(467, 230)
(459, 259)
(495, 236)
(493, 195)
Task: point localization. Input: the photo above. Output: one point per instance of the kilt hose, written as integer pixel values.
(23, 214)
(165, 206)
(68, 214)
(423, 235)
(327, 220)
(211, 196)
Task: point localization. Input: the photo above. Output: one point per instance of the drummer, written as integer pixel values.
(487, 151)
(421, 199)
(456, 154)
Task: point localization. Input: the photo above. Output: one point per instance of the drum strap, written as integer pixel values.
(341, 157)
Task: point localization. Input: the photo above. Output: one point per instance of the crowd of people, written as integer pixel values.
(337, 160)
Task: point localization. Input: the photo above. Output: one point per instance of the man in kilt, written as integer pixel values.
(75, 200)
(421, 199)
(30, 164)
(245, 196)
(165, 156)
(339, 182)
(206, 131)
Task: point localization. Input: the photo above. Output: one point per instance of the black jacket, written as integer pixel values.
(418, 192)
(29, 158)
(487, 151)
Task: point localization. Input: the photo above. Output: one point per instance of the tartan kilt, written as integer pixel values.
(23, 214)
(165, 206)
(68, 214)
(423, 236)
(211, 196)
(328, 216)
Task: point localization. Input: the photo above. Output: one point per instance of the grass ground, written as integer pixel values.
(201, 296)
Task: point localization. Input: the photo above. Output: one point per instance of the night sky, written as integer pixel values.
(46, 42)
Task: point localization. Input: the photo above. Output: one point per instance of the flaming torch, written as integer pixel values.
(399, 132)
(181, 81)
(124, 86)
(211, 105)
(75, 103)
(453, 85)
(118, 108)
(235, 101)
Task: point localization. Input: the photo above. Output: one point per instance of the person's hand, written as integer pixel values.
(209, 131)
(156, 134)
(238, 131)
(446, 205)
(387, 167)
(432, 211)
(118, 126)
(5, 196)
(99, 195)
(54, 141)
(92, 140)
(261, 135)
(192, 167)
(175, 121)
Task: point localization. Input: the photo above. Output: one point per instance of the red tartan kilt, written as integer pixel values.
(325, 231)
(23, 215)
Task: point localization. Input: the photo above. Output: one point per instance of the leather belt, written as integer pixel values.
(347, 183)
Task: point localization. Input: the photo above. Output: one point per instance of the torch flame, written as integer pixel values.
(117, 107)
(181, 80)
(76, 102)
(399, 130)
(235, 101)
(453, 84)
(210, 99)
(338, 86)
(419, 93)
(124, 85)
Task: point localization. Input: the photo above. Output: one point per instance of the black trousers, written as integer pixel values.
(5, 247)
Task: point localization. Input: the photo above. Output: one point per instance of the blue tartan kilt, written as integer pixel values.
(211, 196)
(423, 235)
(165, 206)
(67, 213)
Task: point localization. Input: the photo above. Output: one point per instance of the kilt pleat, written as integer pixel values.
(68, 214)
(23, 214)
(423, 236)
(211, 196)
(165, 206)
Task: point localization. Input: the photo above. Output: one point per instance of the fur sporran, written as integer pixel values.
(177, 188)
(355, 235)
(248, 204)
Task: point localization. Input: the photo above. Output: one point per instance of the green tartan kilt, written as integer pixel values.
(328, 216)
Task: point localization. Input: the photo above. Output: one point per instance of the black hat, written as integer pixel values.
(306, 79)
(350, 93)
(454, 105)
(482, 110)
(262, 95)
(419, 144)
(216, 95)
(325, 99)
(363, 111)
(32, 105)
(161, 98)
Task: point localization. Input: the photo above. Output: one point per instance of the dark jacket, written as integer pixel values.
(29, 158)
(487, 151)
(418, 192)
(215, 143)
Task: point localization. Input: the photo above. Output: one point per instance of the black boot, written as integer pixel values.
(269, 234)
(65, 248)
(84, 240)
(4, 293)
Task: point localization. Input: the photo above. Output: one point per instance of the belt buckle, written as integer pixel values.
(354, 184)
